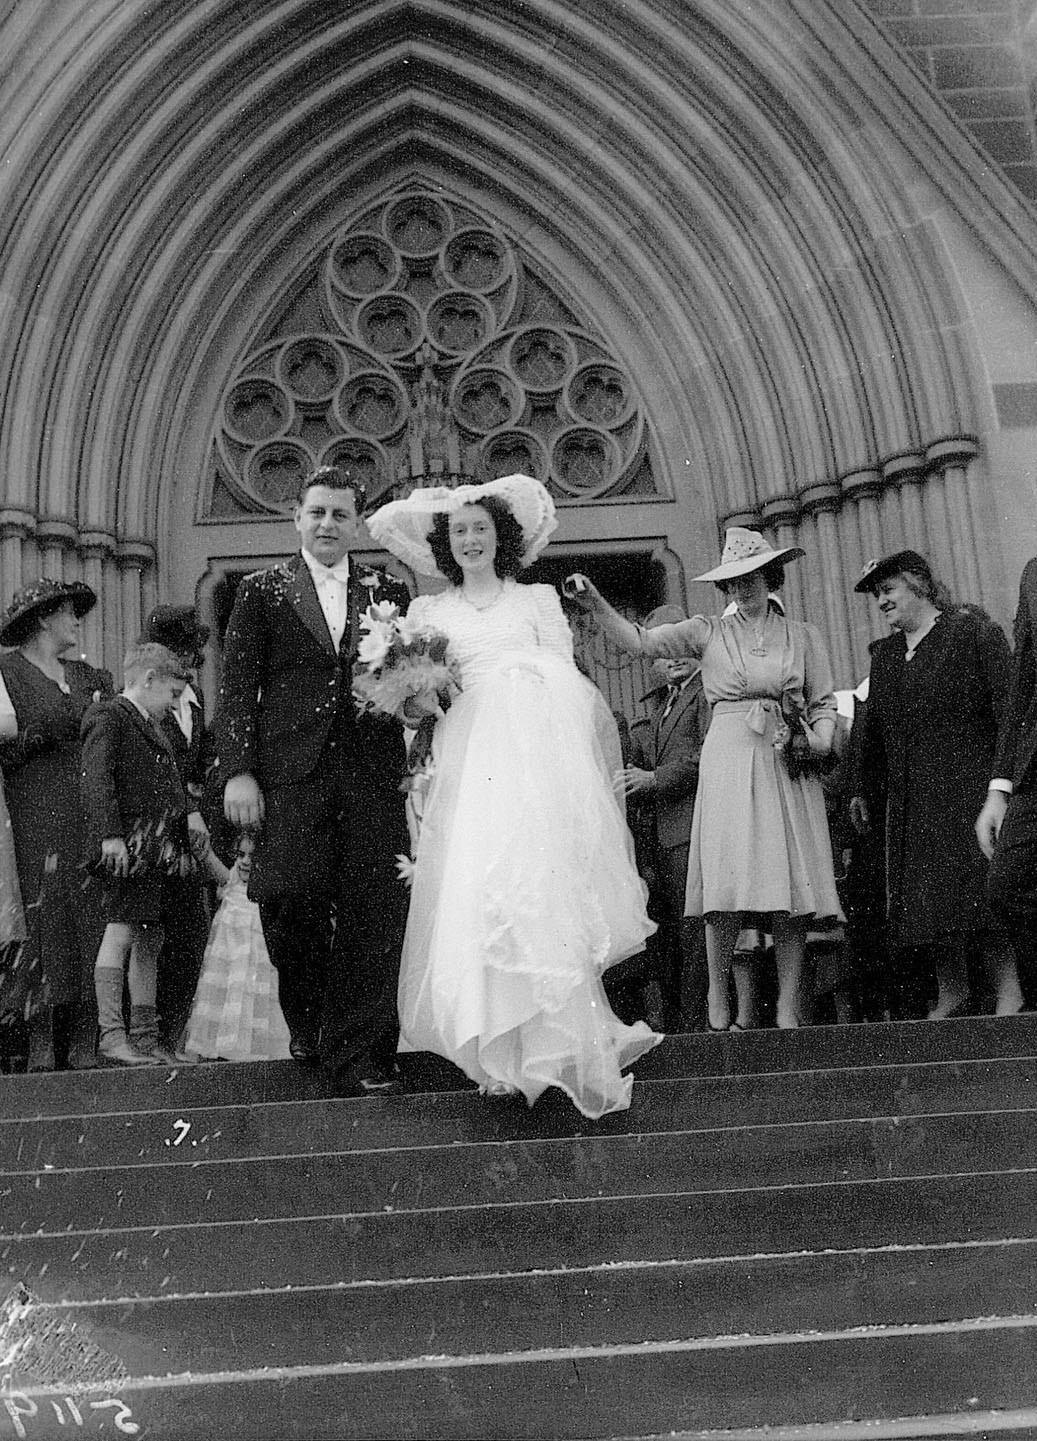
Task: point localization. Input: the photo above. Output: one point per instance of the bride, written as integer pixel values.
(524, 887)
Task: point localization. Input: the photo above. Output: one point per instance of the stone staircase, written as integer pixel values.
(824, 1233)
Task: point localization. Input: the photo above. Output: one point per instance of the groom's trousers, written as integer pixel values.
(333, 908)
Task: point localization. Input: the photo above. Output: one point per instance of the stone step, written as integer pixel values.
(303, 1127)
(660, 1302)
(514, 1172)
(973, 1426)
(75, 1093)
(199, 1256)
(811, 1229)
(819, 1379)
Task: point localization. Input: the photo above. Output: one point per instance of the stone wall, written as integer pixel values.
(979, 56)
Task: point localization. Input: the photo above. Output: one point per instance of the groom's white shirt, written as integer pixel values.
(332, 585)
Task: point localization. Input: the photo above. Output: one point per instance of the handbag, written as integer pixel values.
(794, 748)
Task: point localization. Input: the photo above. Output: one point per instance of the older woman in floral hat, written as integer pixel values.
(524, 886)
(760, 852)
(47, 689)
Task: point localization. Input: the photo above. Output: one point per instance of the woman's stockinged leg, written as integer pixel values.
(721, 935)
(952, 981)
(790, 941)
(1000, 962)
(747, 991)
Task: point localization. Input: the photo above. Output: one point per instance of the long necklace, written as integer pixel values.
(759, 648)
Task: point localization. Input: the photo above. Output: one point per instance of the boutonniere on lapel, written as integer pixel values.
(373, 580)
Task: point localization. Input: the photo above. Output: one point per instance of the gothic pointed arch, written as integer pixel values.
(786, 258)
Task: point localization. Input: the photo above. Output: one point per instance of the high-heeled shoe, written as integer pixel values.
(955, 1012)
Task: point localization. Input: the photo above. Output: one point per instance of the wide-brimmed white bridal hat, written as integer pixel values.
(747, 550)
(403, 526)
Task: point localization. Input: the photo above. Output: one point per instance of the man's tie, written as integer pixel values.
(671, 699)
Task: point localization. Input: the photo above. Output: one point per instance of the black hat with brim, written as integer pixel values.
(902, 562)
(33, 602)
(177, 627)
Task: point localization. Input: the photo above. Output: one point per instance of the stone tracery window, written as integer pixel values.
(424, 345)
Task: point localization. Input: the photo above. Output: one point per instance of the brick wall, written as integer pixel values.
(981, 57)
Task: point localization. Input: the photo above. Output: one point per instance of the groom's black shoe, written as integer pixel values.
(367, 1077)
(303, 1050)
(375, 1080)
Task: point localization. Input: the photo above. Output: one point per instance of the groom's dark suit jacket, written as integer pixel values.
(285, 689)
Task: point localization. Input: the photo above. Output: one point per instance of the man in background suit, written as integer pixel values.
(661, 781)
(321, 783)
(1006, 827)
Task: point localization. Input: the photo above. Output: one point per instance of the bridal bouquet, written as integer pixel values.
(400, 660)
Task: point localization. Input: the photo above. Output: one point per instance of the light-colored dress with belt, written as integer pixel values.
(759, 839)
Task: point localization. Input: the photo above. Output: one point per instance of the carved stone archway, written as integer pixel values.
(758, 215)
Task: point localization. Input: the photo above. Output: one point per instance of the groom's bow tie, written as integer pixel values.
(338, 572)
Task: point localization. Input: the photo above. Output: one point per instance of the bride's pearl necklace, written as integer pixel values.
(483, 604)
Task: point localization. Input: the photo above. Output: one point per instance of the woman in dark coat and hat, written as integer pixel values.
(52, 981)
(935, 701)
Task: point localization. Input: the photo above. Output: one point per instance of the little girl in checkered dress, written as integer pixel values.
(235, 1015)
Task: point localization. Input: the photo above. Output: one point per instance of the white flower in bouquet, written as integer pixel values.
(375, 646)
(401, 660)
(410, 631)
(383, 612)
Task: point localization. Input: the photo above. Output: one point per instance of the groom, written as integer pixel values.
(320, 783)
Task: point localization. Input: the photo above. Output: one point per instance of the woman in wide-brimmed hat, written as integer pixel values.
(49, 689)
(524, 885)
(760, 853)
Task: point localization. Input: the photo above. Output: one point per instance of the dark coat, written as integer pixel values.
(1016, 758)
(285, 691)
(283, 681)
(194, 756)
(130, 788)
(927, 746)
(671, 747)
(41, 774)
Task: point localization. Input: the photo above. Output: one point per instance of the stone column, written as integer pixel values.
(96, 548)
(15, 528)
(133, 558)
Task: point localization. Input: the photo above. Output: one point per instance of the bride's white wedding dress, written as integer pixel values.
(524, 888)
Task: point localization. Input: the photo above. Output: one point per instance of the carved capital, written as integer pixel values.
(900, 468)
(955, 450)
(96, 544)
(860, 483)
(780, 510)
(135, 555)
(16, 522)
(749, 518)
(822, 495)
(56, 530)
